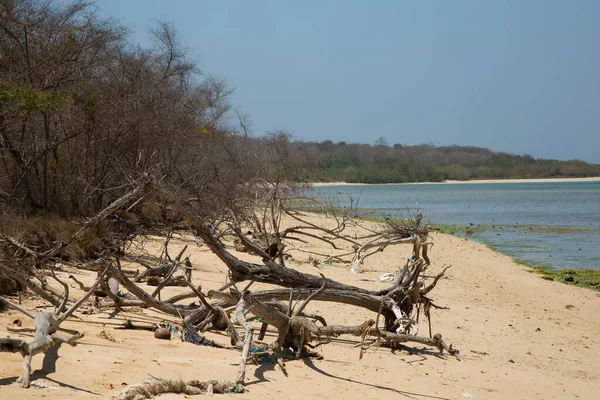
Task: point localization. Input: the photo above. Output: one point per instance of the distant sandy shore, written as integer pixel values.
(541, 180)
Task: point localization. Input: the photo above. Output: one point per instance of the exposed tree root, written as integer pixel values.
(399, 305)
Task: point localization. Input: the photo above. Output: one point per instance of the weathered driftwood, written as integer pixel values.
(399, 305)
(46, 335)
(45, 338)
(240, 316)
(162, 274)
(398, 300)
(298, 323)
(154, 387)
(98, 293)
(159, 271)
(175, 281)
(28, 283)
(296, 332)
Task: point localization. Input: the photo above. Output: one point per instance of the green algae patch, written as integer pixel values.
(457, 229)
(587, 277)
(499, 228)
(557, 230)
(383, 220)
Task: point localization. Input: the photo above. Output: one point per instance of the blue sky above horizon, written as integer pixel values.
(520, 76)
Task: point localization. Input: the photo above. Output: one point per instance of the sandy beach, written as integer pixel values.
(547, 180)
(520, 337)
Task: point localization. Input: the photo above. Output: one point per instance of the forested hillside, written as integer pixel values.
(381, 163)
(84, 112)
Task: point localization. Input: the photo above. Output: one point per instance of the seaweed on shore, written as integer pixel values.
(587, 277)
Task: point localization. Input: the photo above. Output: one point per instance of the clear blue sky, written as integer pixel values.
(520, 76)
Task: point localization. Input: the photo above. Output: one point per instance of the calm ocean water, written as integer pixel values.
(552, 224)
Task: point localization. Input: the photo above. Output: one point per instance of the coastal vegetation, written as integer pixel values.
(587, 277)
(584, 277)
(381, 163)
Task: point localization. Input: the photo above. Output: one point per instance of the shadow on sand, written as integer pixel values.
(48, 367)
(259, 373)
(410, 395)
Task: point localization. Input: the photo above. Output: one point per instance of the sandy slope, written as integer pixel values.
(495, 311)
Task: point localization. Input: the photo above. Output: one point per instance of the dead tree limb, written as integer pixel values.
(309, 298)
(46, 335)
(11, 273)
(111, 208)
(240, 316)
(17, 307)
(174, 266)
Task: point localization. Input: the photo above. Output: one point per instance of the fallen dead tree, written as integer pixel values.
(151, 152)
(396, 309)
(396, 302)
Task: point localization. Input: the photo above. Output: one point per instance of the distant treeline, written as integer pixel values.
(381, 163)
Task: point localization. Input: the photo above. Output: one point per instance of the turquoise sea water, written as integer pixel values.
(551, 224)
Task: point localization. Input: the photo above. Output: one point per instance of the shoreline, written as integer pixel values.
(471, 182)
(587, 278)
(506, 321)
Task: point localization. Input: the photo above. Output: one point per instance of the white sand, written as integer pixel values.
(517, 338)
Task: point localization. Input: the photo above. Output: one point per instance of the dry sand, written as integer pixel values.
(520, 337)
(541, 180)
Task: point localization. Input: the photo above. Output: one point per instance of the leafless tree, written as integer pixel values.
(103, 143)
